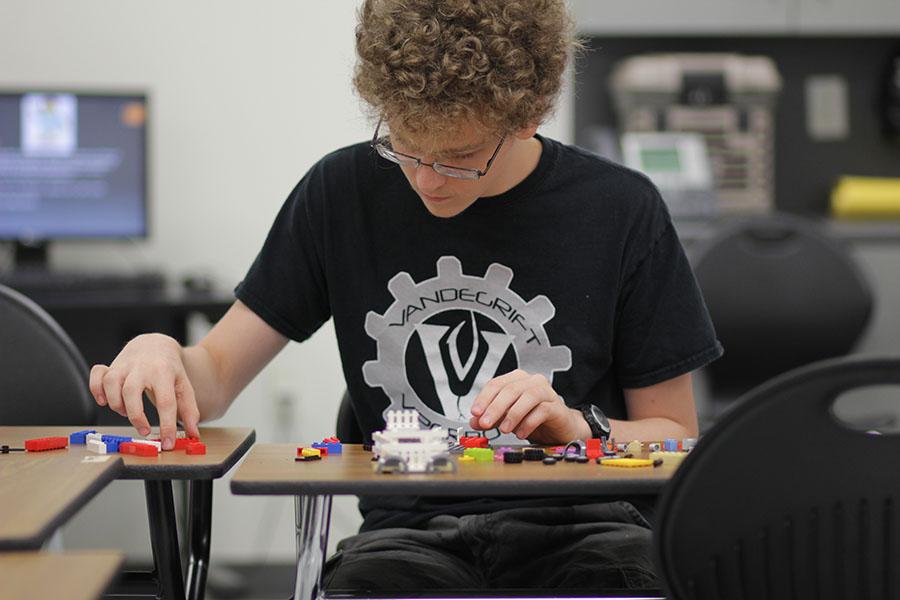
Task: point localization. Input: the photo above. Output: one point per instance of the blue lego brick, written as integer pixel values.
(112, 442)
(670, 445)
(79, 437)
(116, 438)
(331, 447)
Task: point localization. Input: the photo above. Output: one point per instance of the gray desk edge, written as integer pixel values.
(36, 541)
(153, 472)
(399, 486)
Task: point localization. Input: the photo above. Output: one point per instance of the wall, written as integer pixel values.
(245, 97)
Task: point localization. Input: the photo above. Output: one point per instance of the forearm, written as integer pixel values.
(205, 376)
(222, 364)
(648, 429)
(651, 429)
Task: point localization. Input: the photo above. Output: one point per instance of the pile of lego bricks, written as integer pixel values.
(329, 445)
(601, 451)
(108, 444)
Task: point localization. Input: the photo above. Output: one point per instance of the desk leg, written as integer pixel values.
(313, 516)
(199, 531)
(164, 538)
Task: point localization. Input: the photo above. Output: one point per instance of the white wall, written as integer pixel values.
(245, 96)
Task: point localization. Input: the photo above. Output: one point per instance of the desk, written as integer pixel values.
(74, 575)
(224, 446)
(270, 469)
(39, 491)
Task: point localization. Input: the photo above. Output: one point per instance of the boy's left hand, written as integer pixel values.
(526, 405)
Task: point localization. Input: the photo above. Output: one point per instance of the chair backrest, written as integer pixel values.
(347, 427)
(782, 293)
(43, 377)
(780, 500)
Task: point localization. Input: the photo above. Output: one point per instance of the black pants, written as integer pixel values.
(588, 547)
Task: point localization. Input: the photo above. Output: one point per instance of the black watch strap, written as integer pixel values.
(596, 420)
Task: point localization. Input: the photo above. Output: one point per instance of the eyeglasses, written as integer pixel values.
(384, 149)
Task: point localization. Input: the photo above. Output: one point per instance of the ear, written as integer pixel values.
(527, 132)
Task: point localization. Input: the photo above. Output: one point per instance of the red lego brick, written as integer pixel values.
(473, 442)
(594, 448)
(138, 449)
(196, 448)
(321, 447)
(47, 443)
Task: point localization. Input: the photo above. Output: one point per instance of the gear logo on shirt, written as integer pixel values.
(444, 338)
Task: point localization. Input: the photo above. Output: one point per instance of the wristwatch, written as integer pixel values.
(596, 420)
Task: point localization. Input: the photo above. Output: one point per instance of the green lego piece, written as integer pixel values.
(480, 454)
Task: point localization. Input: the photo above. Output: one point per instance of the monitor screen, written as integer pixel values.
(72, 165)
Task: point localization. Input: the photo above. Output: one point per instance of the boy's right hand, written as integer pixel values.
(151, 363)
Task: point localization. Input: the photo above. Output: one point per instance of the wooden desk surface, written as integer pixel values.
(270, 469)
(224, 446)
(73, 575)
(39, 491)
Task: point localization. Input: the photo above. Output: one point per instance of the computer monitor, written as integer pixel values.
(72, 165)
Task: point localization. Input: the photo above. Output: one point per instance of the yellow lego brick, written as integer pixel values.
(626, 462)
(669, 458)
(466, 458)
(310, 452)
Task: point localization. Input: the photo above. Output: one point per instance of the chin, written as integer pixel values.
(444, 212)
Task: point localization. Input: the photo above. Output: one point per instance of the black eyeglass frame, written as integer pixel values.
(465, 173)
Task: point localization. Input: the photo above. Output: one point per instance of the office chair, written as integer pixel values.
(347, 428)
(43, 377)
(782, 293)
(781, 500)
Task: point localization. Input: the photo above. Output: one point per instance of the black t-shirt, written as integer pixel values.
(576, 273)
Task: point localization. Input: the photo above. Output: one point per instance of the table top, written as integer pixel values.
(270, 469)
(73, 575)
(39, 491)
(224, 446)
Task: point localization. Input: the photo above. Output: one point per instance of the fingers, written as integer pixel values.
(187, 406)
(112, 383)
(133, 399)
(96, 383)
(534, 419)
(167, 408)
(515, 400)
(492, 388)
(171, 392)
(501, 413)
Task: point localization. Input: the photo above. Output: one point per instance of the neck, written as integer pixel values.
(521, 159)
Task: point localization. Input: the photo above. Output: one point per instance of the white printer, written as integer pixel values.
(701, 126)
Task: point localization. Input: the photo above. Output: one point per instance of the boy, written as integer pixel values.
(495, 280)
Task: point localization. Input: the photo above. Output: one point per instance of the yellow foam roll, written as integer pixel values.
(866, 198)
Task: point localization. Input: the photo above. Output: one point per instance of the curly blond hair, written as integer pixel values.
(427, 65)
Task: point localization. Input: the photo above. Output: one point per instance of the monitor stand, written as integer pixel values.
(30, 256)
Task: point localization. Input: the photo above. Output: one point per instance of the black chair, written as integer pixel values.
(782, 292)
(42, 374)
(347, 428)
(781, 500)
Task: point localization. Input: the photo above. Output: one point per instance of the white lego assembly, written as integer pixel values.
(404, 446)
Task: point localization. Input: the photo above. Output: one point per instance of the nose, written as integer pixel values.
(428, 180)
